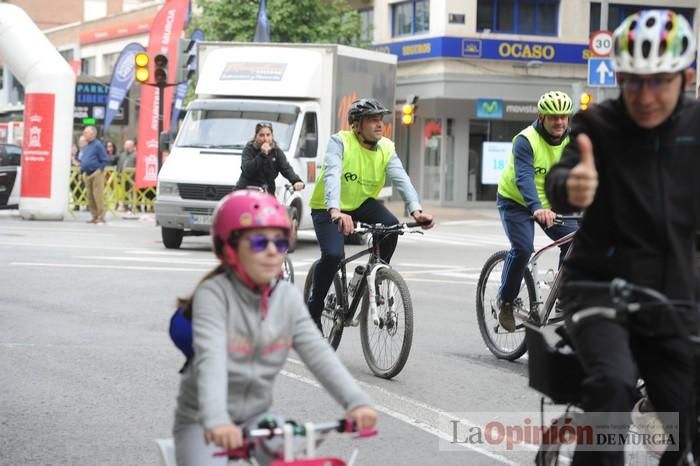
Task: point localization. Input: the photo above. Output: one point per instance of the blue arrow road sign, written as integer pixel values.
(601, 73)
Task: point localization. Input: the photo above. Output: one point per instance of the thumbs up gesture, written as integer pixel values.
(583, 178)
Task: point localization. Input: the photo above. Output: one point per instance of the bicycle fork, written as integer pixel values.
(372, 289)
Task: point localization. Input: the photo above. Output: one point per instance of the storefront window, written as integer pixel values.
(432, 132)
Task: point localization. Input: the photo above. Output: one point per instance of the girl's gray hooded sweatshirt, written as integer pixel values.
(237, 354)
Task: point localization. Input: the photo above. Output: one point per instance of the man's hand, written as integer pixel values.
(344, 222)
(424, 218)
(544, 217)
(298, 186)
(583, 178)
(265, 148)
(365, 417)
(228, 436)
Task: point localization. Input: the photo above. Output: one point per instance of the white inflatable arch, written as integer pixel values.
(49, 84)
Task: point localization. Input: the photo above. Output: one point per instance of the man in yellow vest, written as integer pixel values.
(521, 196)
(353, 173)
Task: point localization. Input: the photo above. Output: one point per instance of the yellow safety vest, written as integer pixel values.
(363, 174)
(545, 156)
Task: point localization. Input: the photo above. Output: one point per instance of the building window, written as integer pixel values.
(535, 17)
(618, 12)
(87, 66)
(412, 17)
(367, 25)
(108, 62)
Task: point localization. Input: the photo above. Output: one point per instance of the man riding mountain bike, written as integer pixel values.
(521, 197)
(353, 173)
(635, 167)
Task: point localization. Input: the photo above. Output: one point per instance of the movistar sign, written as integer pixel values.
(489, 108)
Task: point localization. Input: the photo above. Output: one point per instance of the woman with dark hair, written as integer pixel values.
(262, 161)
(111, 150)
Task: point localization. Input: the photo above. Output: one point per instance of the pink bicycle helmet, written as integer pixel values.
(246, 209)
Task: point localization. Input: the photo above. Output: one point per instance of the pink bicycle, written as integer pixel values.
(292, 444)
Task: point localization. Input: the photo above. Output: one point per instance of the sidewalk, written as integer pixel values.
(475, 211)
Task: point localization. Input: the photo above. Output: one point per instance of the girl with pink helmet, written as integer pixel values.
(245, 321)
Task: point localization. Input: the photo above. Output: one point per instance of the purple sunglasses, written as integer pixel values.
(258, 243)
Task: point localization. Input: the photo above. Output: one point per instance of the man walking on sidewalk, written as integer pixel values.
(92, 162)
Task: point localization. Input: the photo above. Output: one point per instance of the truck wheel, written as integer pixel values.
(293, 233)
(172, 237)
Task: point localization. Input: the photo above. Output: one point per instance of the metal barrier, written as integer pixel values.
(119, 193)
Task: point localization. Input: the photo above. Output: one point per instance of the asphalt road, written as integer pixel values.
(90, 375)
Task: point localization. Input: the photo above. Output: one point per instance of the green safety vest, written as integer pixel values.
(363, 174)
(545, 156)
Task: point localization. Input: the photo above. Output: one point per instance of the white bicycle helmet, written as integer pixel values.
(653, 41)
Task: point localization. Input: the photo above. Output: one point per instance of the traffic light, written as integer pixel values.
(585, 100)
(409, 110)
(142, 74)
(160, 74)
(187, 55)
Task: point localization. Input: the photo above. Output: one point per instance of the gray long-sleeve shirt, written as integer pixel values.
(333, 166)
(238, 354)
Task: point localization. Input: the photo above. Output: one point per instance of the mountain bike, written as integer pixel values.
(535, 302)
(555, 371)
(386, 315)
(279, 442)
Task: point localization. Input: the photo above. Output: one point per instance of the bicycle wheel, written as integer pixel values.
(503, 344)
(332, 320)
(386, 346)
(287, 270)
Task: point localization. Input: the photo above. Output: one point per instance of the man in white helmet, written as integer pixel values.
(634, 165)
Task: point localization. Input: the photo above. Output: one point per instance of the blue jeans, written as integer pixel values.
(332, 246)
(520, 230)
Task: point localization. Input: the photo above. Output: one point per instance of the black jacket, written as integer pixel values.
(258, 169)
(642, 223)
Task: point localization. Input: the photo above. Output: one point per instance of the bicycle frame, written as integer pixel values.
(350, 309)
(535, 308)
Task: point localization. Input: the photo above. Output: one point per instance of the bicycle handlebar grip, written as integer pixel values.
(585, 286)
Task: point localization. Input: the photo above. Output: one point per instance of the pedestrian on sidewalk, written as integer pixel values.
(94, 159)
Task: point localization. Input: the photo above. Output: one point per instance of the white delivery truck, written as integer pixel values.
(304, 90)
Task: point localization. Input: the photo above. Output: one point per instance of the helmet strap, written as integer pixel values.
(357, 129)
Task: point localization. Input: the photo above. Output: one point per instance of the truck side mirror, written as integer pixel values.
(164, 141)
(309, 149)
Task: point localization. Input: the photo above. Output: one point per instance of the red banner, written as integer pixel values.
(37, 145)
(166, 30)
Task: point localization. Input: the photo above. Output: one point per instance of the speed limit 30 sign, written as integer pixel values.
(601, 43)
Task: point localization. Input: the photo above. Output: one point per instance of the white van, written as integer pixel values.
(304, 90)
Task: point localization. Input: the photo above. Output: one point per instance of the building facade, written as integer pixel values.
(478, 68)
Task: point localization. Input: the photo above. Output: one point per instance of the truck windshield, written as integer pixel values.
(232, 129)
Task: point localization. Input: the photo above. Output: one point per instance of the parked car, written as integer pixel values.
(10, 175)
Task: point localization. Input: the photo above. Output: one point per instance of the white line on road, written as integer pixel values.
(105, 266)
(170, 260)
(407, 419)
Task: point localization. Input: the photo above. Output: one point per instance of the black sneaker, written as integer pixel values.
(505, 315)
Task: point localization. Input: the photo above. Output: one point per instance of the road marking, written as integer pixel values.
(422, 425)
(170, 260)
(105, 266)
(101, 247)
